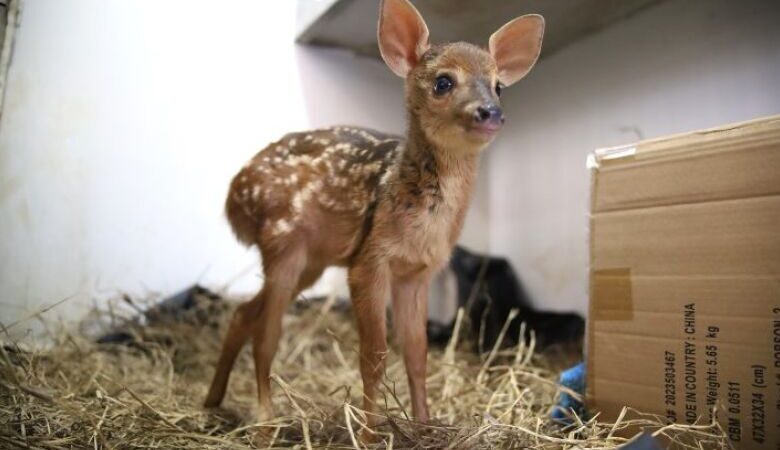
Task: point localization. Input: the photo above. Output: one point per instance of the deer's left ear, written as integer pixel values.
(516, 47)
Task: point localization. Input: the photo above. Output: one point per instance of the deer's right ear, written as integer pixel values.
(402, 35)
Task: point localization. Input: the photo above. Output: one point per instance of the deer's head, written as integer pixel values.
(453, 90)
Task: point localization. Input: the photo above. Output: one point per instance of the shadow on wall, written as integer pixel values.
(337, 85)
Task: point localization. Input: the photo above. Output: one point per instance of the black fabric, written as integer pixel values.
(498, 292)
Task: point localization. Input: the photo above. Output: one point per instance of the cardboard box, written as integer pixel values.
(685, 280)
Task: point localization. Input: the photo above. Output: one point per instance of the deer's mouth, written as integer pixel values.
(485, 130)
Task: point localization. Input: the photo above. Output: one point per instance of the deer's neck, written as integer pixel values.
(437, 177)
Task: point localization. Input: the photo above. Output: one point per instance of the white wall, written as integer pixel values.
(123, 124)
(679, 66)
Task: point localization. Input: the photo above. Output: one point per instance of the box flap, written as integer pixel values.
(685, 169)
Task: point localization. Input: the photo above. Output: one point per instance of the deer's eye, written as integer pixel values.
(442, 85)
(499, 87)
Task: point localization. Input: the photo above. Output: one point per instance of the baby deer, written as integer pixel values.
(388, 208)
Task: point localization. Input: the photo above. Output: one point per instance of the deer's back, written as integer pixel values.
(318, 185)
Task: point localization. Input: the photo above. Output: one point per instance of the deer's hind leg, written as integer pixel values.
(284, 278)
(268, 329)
(238, 333)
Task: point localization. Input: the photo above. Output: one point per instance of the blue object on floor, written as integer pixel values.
(574, 379)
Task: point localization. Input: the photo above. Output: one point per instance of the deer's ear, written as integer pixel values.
(516, 47)
(402, 35)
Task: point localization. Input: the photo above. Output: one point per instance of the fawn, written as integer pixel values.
(388, 208)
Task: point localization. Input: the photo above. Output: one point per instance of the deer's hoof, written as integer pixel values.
(212, 401)
(366, 437)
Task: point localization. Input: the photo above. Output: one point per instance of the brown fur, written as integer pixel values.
(387, 208)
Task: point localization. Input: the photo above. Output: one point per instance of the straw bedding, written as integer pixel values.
(146, 392)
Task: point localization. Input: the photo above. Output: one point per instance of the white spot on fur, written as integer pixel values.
(339, 182)
(255, 192)
(370, 138)
(303, 196)
(385, 177)
(297, 203)
(371, 169)
(295, 160)
(281, 227)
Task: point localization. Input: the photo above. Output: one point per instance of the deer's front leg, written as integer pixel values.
(410, 315)
(369, 287)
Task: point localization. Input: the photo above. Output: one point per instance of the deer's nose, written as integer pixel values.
(489, 114)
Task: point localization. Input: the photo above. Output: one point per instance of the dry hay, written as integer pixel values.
(75, 393)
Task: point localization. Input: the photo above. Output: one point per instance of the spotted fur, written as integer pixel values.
(331, 172)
